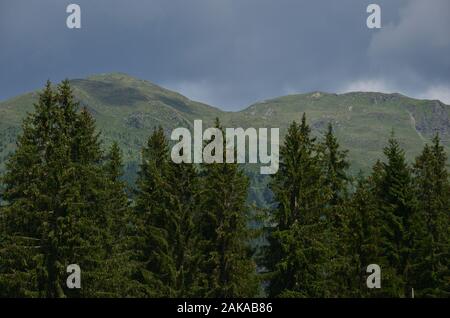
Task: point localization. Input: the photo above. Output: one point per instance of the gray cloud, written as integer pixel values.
(230, 53)
(412, 54)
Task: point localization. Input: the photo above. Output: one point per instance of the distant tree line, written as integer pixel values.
(185, 231)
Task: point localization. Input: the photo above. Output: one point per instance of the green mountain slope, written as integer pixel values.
(127, 109)
(363, 121)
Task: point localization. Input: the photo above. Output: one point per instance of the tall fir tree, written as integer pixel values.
(431, 227)
(186, 182)
(120, 265)
(397, 205)
(335, 165)
(156, 220)
(55, 196)
(227, 267)
(362, 237)
(298, 257)
(166, 203)
(118, 200)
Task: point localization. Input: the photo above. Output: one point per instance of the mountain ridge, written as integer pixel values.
(118, 76)
(127, 109)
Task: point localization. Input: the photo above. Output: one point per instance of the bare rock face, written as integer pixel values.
(435, 120)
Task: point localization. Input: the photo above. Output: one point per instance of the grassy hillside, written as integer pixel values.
(363, 121)
(127, 109)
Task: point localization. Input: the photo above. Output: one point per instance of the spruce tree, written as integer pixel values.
(397, 207)
(227, 267)
(335, 166)
(298, 257)
(166, 203)
(120, 266)
(362, 236)
(19, 250)
(431, 226)
(118, 200)
(55, 196)
(156, 220)
(186, 183)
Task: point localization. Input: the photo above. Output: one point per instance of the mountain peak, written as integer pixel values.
(116, 77)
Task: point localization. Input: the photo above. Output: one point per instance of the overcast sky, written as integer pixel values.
(231, 53)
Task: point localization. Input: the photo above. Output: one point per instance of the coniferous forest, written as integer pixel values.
(185, 230)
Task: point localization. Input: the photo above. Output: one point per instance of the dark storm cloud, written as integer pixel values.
(414, 53)
(230, 52)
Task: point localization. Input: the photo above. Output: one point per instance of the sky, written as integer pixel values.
(231, 53)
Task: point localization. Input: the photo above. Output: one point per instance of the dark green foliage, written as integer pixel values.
(362, 236)
(298, 257)
(334, 170)
(156, 220)
(186, 185)
(227, 268)
(397, 205)
(54, 188)
(166, 202)
(120, 265)
(431, 256)
(335, 167)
